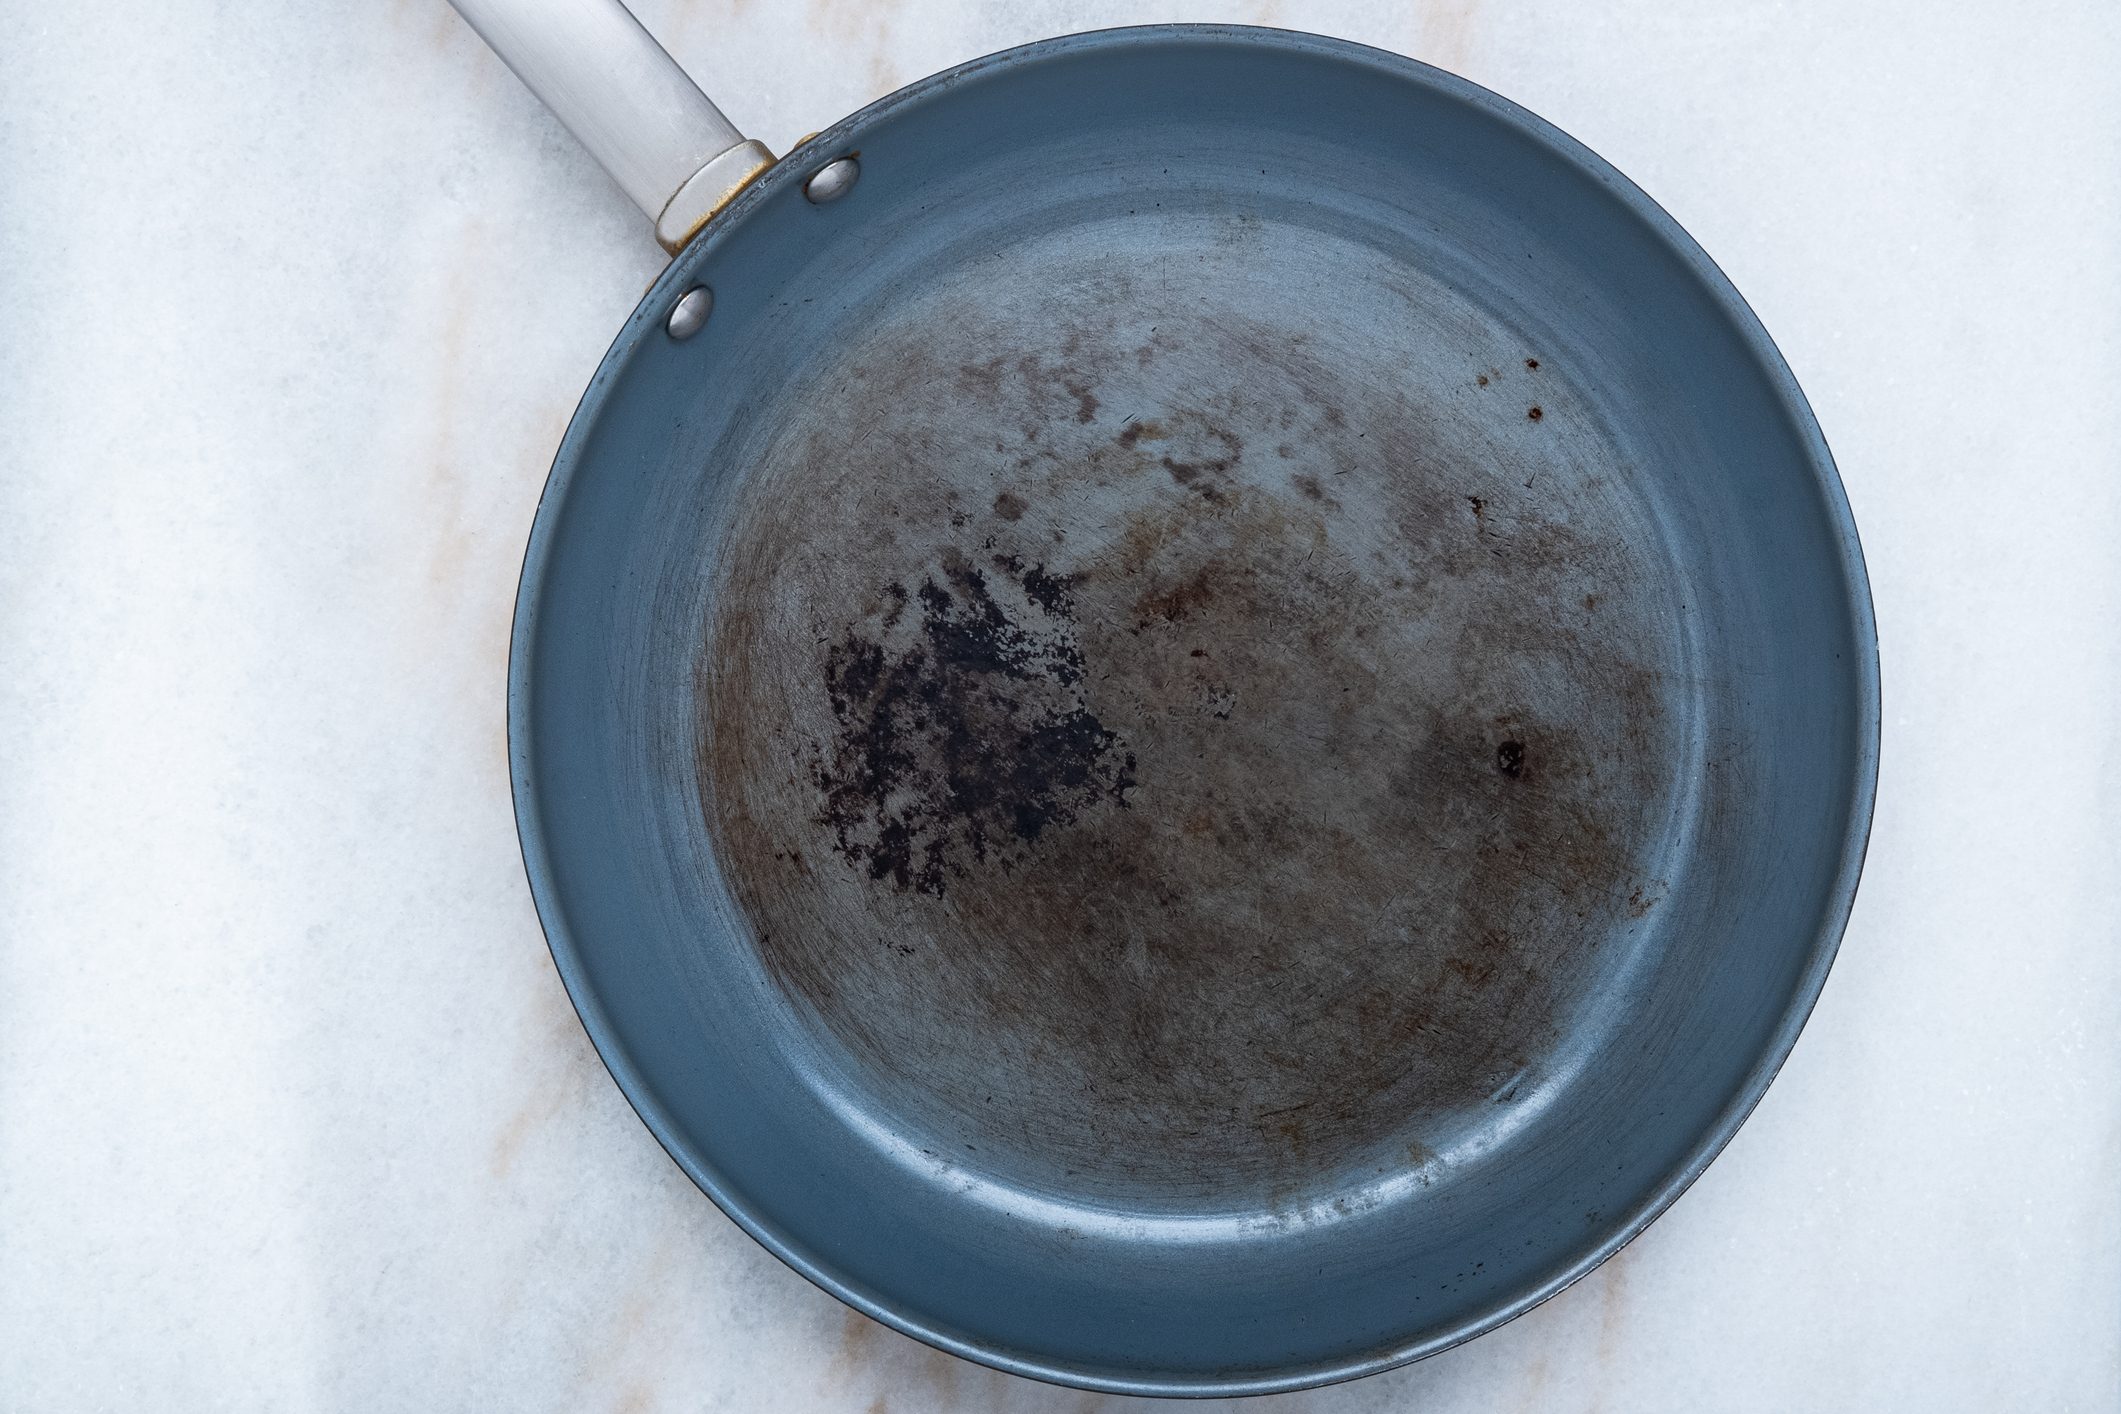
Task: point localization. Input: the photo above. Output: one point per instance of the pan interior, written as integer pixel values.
(1192, 707)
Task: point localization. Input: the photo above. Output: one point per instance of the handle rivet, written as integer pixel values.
(689, 315)
(832, 181)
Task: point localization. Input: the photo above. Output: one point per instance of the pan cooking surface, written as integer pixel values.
(1214, 732)
(1176, 724)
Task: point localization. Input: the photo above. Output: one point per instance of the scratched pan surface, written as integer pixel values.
(1216, 732)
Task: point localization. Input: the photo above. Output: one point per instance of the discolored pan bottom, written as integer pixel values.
(1202, 732)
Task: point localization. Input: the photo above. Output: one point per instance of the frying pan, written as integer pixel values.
(1193, 710)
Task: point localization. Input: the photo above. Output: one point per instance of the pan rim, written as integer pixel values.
(1835, 906)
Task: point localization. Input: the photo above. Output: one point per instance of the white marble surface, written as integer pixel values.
(294, 302)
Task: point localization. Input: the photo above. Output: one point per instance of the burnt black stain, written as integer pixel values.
(1048, 591)
(1535, 412)
(1532, 363)
(967, 744)
(1231, 840)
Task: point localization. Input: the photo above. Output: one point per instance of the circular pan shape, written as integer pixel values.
(1486, 297)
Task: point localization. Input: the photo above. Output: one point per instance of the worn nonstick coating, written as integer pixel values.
(1215, 733)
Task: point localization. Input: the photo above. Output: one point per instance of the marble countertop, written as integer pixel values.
(294, 1113)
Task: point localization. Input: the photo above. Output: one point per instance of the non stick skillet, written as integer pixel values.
(1193, 710)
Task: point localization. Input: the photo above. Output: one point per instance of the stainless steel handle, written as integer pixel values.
(628, 102)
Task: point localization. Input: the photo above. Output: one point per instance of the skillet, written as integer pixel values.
(1193, 709)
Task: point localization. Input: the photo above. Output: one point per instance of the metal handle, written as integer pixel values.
(628, 102)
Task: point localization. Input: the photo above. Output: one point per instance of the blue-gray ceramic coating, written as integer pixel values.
(1214, 733)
